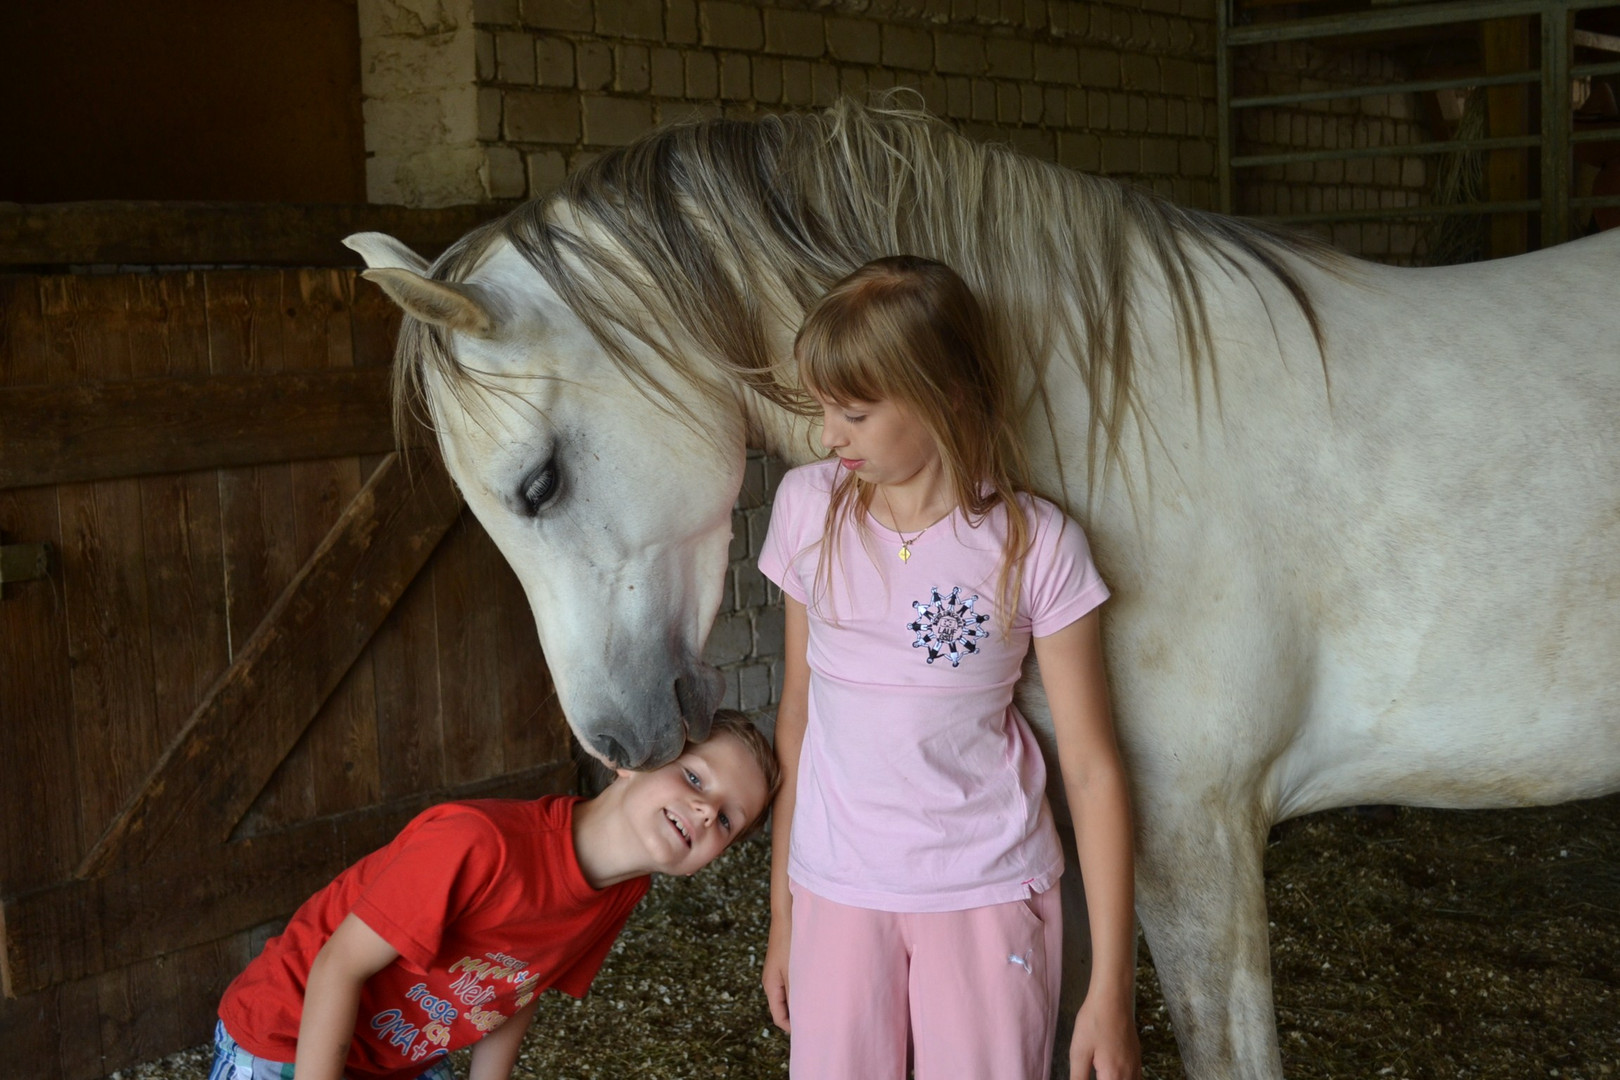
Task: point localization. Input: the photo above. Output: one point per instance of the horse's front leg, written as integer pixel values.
(1200, 895)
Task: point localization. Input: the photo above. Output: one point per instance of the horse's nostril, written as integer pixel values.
(696, 705)
(614, 751)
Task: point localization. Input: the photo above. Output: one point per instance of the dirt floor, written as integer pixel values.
(1405, 943)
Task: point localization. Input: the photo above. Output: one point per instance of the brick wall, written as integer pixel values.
(1126, 90)
(746, 642)
(1329, 186)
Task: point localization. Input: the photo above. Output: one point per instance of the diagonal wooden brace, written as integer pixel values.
(251, 718)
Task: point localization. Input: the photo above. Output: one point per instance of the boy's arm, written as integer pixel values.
(353, 954)
(792, 714)
(1071, 664)
(495, 1054)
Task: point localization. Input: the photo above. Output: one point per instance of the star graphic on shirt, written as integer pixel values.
(948, 626)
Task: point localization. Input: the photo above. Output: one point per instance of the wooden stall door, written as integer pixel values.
(264, 642)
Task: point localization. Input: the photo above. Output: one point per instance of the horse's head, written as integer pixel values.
(611, 499)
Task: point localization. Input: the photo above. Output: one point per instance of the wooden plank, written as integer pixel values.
(211, 234)
(241, 884)
(405, 659)
(30, 1031)
(136, 1006)
(1505, 47)
(343, 737)
(109, 640)
(256, 712)
(40, 835)
(103, 568)
(255, 503)
(79, 1050)
(85, 317)
(469, 679)
(532, 726)
(133, 427)
(180, 516)
(319, 776)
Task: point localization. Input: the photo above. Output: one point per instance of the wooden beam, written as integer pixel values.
(209, 775)
(60, 434)
(199, 896)
(1505, 46)
(213, 234)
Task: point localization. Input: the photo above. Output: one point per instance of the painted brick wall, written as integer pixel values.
(746, 642)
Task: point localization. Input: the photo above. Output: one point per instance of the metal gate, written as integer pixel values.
(1501, 69)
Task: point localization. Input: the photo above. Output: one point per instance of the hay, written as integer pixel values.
(1412, 943)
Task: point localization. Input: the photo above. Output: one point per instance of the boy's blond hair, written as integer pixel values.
(759, 748)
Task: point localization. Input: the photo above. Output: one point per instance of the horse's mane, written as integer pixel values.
(710, 232)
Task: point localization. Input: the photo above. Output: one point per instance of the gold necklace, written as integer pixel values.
(905, 545)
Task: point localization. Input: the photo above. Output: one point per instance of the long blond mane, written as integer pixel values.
(708, 233)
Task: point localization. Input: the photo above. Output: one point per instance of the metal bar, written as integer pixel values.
(1588, 39)
(1395, 213)
(1392, 88)
(1586, 71)
(1597, 135)
(1223, 110)
(1361, 22)
(1505, 142)
(1555, 124)
(1595, 201)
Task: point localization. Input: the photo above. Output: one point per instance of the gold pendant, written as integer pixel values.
(905, 552)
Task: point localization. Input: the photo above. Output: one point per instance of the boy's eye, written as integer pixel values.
(854, 419)
(725, 822)
(692, 778)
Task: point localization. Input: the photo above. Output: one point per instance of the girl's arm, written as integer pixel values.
(792, 713)
(495, 1054)
(1076, 686)
(354, 953)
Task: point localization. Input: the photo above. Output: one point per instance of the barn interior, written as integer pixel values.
(247, 628)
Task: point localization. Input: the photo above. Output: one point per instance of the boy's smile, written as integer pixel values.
(673, 820)
(696, 804)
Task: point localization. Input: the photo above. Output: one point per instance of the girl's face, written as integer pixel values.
(880, 441)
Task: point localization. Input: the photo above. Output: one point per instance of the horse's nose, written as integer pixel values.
(698, 694)
(613, 750)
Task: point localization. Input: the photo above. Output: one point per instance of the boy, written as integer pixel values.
(445, 937)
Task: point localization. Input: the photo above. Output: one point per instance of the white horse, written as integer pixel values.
(1362, 524)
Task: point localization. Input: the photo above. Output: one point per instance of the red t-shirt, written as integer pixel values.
(485, 903)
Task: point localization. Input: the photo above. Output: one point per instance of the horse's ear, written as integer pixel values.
(382, 251)
(443, 303)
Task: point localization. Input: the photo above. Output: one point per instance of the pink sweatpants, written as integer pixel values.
(974, 992)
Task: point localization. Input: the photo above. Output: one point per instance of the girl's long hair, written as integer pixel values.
(909, 330)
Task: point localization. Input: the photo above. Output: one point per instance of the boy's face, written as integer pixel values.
(685, 813)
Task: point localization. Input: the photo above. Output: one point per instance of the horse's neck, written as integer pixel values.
(1252, 319)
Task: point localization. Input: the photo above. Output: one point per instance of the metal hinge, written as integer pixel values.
(23, 562)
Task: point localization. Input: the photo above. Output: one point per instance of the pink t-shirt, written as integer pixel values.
(920, 786)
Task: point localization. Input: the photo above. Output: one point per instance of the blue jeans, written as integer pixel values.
(231, 1062)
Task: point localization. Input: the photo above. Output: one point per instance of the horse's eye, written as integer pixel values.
(539, 486)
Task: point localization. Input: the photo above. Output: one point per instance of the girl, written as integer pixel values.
(915, 862)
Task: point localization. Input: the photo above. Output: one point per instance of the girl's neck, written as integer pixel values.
(915, 503)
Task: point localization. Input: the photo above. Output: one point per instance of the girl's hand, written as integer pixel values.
(1105, 1042)
(776, 970)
